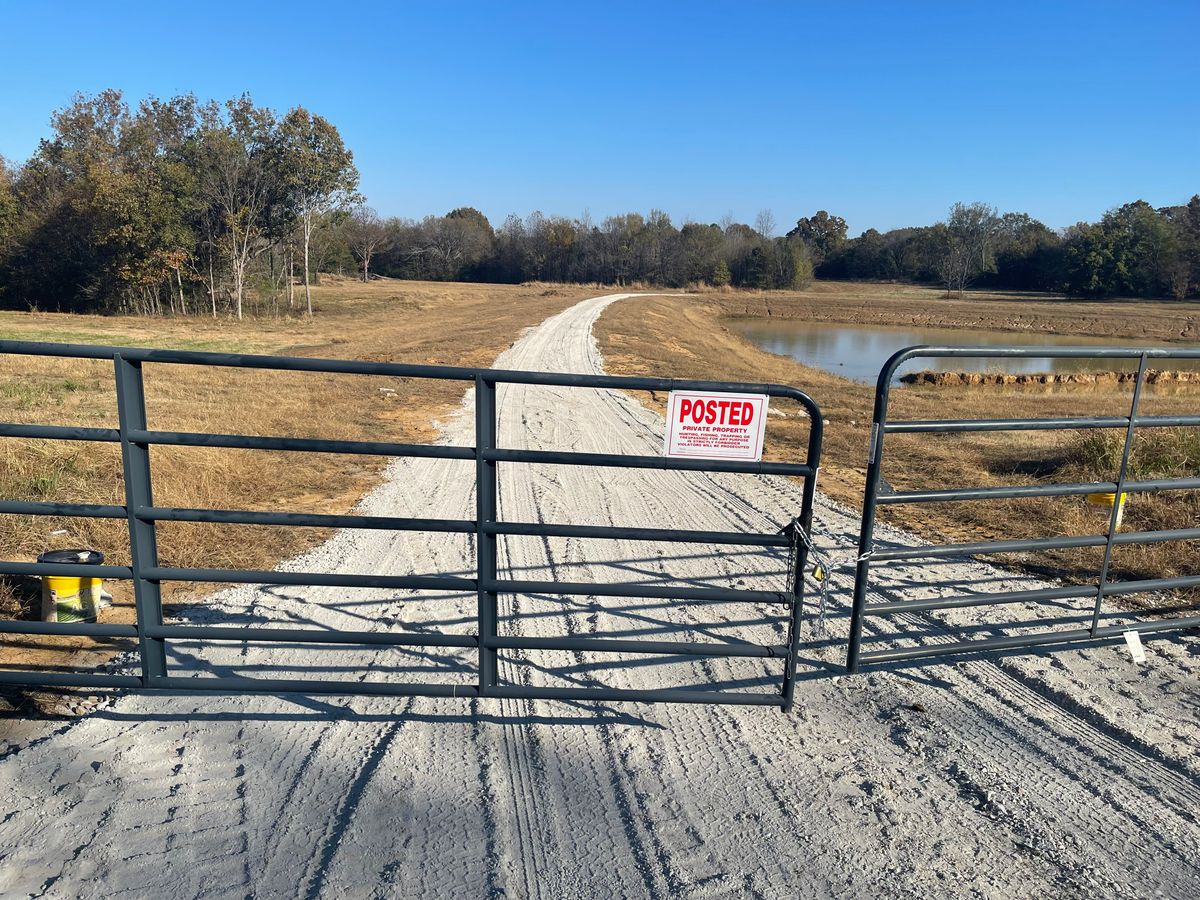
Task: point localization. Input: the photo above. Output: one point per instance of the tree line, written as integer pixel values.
(620, 250)
(1134, 250)
(187, 207)
(175, 206)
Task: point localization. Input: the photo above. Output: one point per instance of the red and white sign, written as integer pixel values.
(708, 425)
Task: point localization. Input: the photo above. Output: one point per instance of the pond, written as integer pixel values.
(858, 352)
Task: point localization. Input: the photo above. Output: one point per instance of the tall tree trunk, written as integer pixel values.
(307, 237)
(238, 260)
(238, 272)
(212, 283)
(182, 302)
(291, 278)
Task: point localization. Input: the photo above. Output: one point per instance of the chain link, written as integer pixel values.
(824, 569)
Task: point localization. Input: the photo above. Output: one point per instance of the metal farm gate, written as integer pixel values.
(135, 438)
(879, 493)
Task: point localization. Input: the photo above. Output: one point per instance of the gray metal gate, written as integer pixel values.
(877, 494)
(135, 438)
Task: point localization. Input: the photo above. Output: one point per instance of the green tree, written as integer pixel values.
(797, 272)
(8, 210)
(67, 256)
(1188, 224)
(700, 254)
(760, 268)
(472, 216)
(317, 174)
(1144, 249)
(720, 273)
(1023, 250)
(824, 234)
(1088, 261)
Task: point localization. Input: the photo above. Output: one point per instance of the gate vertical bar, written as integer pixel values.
(1122, 474)
(800, 563)
(486, 499)
(866, 535)
(143, 546)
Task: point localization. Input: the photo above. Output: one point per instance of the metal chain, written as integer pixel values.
(824, 569)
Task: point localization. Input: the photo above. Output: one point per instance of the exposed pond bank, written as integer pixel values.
(1153, 376)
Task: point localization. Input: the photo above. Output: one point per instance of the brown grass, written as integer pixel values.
(906, 304)
(452, 324)
(470, 324)
(687, 338)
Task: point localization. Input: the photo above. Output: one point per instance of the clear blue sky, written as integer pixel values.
(884, 113)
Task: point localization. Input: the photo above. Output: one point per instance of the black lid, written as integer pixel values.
(85, 557)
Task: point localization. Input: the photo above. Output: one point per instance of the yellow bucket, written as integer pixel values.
(1108, 500)
(66, 598)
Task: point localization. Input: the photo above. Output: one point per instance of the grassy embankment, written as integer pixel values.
(452, 324)
(691, 338)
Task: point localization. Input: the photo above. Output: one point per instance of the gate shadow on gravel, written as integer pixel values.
(320, 713)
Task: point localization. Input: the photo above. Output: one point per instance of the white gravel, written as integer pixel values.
(1066, 773)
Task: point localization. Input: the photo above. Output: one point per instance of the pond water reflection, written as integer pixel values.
(858, 352)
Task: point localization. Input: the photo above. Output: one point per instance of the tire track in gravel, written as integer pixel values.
(1016, 707)
(719, 719)
(336, 830)
(356, 750)
(698, 736)
(1136, 794)
(527, 760)
(653, 858)
(521, 741)
(1077, 727)
(1088, 729)
(1113, 757)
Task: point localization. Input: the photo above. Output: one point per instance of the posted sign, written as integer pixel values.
(708, 425)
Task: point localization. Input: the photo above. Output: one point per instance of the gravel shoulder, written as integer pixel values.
(1074, 772)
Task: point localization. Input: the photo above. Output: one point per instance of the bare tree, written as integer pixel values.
(967, 245)
(239, 185)
(764, 224)
(365, 233)
(450, 244)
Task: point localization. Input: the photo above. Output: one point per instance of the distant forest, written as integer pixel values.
(187, 207)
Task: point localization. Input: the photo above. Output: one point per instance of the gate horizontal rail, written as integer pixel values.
(878, 493)
(136, 437)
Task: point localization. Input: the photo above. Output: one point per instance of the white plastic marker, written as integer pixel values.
(715, 425)
(1134, 641)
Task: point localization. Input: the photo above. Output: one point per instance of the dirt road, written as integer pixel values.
(1075, 774)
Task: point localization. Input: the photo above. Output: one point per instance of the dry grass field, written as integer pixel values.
(461, 324)
(689, 338)
(451, 324)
